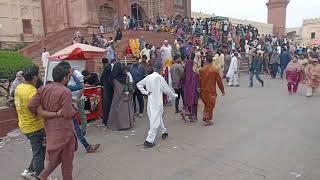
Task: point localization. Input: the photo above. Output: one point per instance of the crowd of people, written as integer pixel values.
(204, 52)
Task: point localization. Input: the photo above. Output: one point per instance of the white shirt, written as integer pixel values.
(101, 29)
(259, 47)
(125, 20)
(76, 94)
(130, 77)
(156, 84)
(166, 52)
(77, 34)
(279, 49)
(146, 52)
(44, 59)
(233, 67)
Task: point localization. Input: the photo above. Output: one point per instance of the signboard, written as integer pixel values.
(93, 102)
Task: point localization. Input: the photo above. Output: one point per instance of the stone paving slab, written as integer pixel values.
(259, 133)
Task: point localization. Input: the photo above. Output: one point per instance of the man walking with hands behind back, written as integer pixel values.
(155, 87)
(209, 76)
(61, 141)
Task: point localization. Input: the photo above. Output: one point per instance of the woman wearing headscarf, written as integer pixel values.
(227, 62)
(274, 63)
(118, 35)
(107, 90)
(18, 80)
(218, 62)
(293, 74)
(313, 77)
(121, 114)
(191, 84)
(304, 62)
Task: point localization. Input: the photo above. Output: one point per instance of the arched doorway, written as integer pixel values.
(139, 14)
(105, 14)
(178, 17)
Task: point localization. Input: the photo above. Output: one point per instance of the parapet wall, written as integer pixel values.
(311, 21)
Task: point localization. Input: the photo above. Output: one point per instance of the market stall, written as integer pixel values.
(80, 56)
(314, 43)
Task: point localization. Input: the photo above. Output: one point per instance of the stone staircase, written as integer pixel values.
(53, 42)
(62, 39)
(155, 38)
(244, 63)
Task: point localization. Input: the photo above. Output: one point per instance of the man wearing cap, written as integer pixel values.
(155, 87)
(313, 77)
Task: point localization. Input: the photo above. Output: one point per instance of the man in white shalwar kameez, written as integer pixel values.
(44, 58)
(154, 85)
(233, 72)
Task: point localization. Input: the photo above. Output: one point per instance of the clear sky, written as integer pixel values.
(257, 10)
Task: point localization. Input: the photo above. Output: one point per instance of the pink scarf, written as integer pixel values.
(294, 66)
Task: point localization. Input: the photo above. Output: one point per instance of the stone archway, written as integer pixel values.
(106, 13)
(139, 14)
(178, 17)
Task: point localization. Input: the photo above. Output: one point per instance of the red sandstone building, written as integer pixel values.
(24, 22)
(61, 14)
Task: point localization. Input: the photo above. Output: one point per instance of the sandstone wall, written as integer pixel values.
(12, 15)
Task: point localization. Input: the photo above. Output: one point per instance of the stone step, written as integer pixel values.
(62, 39)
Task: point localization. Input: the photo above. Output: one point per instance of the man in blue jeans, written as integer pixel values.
(80, 135)
(255, 68)
(31, 126)
(285, 58)
(138, 73)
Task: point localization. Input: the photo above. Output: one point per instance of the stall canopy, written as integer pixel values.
(219, 18)
(315, 42)
(78, 52)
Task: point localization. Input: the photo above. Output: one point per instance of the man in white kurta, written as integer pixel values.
(154, 86)
(125, 22)
(233, 72)
(166, 54)
(44, 58)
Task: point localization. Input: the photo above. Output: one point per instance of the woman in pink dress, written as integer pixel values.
(293, 74)
(313, 77)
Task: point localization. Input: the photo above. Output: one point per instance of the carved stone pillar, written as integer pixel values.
(277, 11)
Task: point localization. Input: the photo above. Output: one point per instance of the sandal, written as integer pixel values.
(208, 123)
(93, 148)
(183, 117)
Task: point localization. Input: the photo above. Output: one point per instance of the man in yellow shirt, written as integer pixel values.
(32, 127)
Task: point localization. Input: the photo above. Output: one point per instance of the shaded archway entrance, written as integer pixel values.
(178, 17)
(105, 14)
(139, 14)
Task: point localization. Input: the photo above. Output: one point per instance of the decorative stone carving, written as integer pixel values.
(178, 3)
(24, 11)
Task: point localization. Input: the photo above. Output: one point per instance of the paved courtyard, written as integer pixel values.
(259, 133)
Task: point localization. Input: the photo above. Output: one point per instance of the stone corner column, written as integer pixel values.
(123, 8)
(188, 8)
